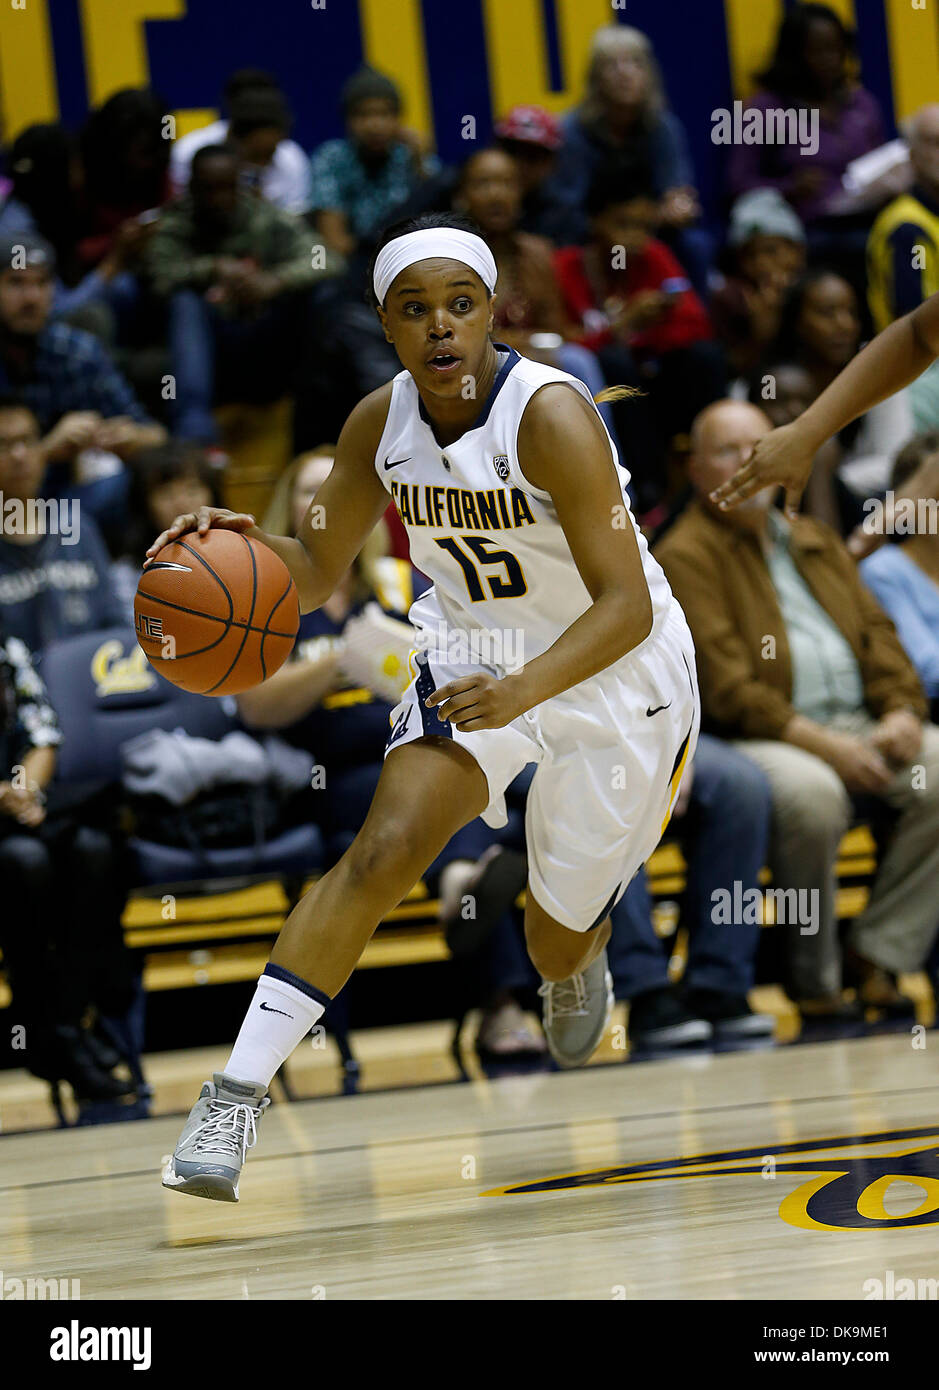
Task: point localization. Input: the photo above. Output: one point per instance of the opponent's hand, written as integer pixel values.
(479, 701)
(200, 521)
(783, 457)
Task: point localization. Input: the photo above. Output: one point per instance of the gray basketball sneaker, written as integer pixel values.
(576, 1012)
(221, 1128)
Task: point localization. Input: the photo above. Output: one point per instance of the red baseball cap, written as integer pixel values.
(531, 125)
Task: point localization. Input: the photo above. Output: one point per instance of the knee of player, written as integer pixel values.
(379, 851)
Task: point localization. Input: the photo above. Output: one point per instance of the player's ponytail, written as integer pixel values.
(617, 393)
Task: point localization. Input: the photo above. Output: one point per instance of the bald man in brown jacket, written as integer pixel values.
(799, 664)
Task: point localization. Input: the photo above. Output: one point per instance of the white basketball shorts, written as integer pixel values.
(610, 753)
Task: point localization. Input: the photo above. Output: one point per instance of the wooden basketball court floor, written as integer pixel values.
(799, 1172)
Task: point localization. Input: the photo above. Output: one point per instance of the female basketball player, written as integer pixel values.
(893, 359)
(504, 474)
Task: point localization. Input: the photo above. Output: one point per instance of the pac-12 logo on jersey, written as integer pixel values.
(501, 464)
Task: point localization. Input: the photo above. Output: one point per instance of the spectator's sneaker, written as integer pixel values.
(221, 1128)
(658, 1018)
(576, 1012)
(729, 1014)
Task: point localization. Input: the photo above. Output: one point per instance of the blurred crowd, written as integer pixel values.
(185, 320)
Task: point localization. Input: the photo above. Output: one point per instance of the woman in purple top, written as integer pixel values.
(812, 72)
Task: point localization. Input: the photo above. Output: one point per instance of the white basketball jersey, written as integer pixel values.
(490, 541)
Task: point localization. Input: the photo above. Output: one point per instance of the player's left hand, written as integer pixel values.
(479, 701)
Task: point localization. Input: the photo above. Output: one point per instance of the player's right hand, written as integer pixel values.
(200, 521)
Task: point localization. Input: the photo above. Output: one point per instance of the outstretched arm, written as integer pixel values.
(890, 361)
(563, 449)
(345, 511)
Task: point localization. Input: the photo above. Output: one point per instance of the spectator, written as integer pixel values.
(903, 254)
(528, 307)
(237, 272)
(360, 182)
(532, 136)
(46, 201)
(624, 121)
(820, 330)
(55, 928)
(782, 390)
(164, 482)
(321, 708)
(288, 493)
(797, 661)
(904, 577)
(812, 74)
(722, 813)
(126, 156)
(257, 128)
(53, 565)
(47, 182)
(767, 246)
(636, 309)
(88, 415)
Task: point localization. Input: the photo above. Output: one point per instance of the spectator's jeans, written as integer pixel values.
(724, 837)
(811, 812)
(217, 358)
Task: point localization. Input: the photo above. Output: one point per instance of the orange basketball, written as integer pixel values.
(216, 614)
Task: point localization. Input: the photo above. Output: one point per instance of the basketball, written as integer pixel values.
(216, 614)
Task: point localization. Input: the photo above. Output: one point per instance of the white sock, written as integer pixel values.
(282, 1012)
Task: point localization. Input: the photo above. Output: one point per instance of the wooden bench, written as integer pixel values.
(225, 936)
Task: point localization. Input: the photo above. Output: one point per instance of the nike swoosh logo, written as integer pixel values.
(268, 1010)
(658, 708)
(389, 464)
(169, 565)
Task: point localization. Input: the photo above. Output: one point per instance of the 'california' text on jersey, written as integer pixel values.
(489, 540)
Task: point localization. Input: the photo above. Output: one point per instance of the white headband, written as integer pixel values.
(450, 242)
